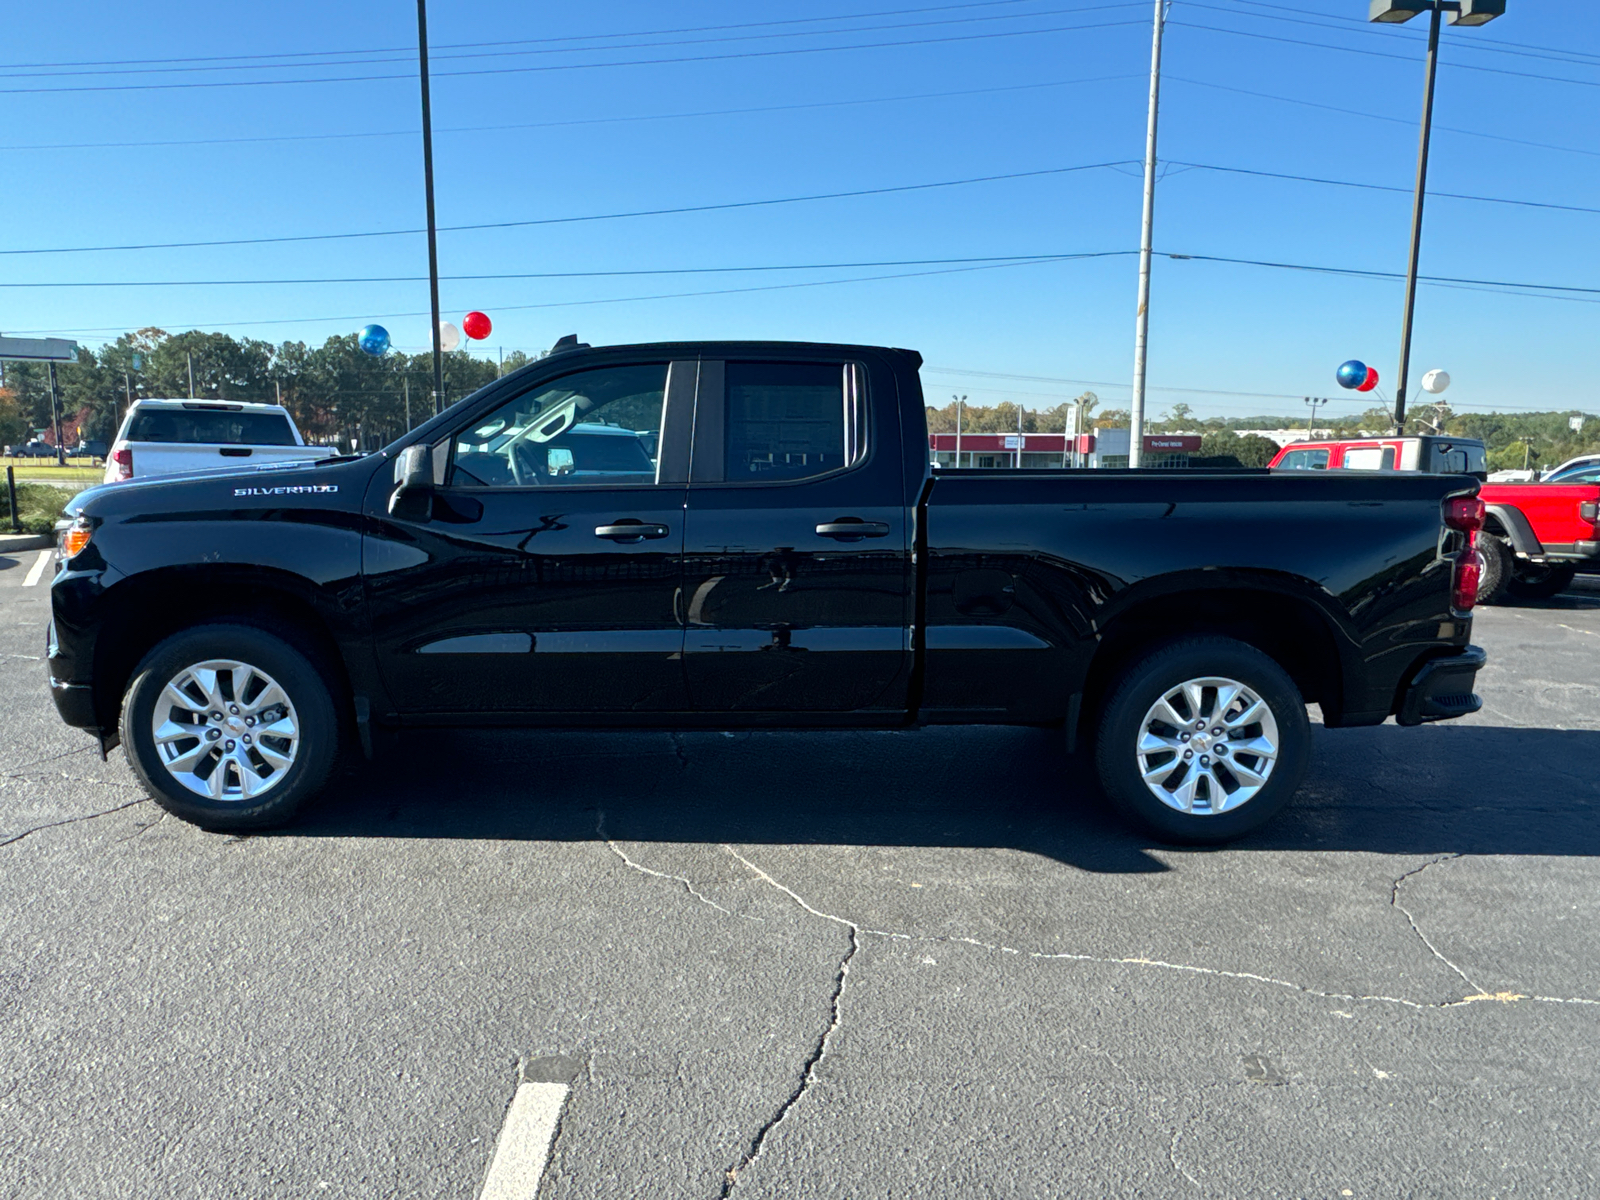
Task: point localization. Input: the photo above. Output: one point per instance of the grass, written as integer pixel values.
(78, 471)
(38, 505)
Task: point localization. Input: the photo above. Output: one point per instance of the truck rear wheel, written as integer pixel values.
(1539, 581)
(229, 727)
(1203, 741)
(1497, 562)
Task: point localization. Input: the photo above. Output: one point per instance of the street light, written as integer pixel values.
(1394, 12)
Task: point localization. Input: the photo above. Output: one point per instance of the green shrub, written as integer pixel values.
(38, 506)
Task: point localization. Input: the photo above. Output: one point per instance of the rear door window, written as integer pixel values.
(1304, 460)
(211, 427)
(785, 421)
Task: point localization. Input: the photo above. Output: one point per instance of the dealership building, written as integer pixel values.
(1102, 448)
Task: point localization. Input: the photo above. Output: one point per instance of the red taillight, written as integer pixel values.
(124, 460)
(1464, 580)
(1465, 514)
(1589, 511)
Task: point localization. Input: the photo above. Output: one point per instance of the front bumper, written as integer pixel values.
(1441, 690)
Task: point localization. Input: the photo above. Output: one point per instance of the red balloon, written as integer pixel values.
(476, 325)
(1365, 385)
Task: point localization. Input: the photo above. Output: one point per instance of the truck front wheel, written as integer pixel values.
(229, 727)
(1202, 741)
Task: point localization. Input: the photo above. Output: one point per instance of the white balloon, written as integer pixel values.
(450, 337)
(1435, 381)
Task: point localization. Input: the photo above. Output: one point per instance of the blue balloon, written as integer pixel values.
(374, 340)
(1352, 374)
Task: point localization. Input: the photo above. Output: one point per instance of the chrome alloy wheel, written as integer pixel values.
(1207, 746)
(225, 730)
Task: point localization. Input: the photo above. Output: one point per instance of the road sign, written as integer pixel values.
(39, 349)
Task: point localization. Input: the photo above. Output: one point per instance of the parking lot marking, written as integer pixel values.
(37, 570)
(529, 1130)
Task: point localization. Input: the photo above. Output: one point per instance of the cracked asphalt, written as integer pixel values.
(843, 964)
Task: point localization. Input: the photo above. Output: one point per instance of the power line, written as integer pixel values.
(1360, 26)
(1268, 37)
(499, 49)
(713, 112)
(1384, 187)
(640, 62)
(649, 212)
(898, 12)
(1581, 57)
(1553, 290)
(911, 262)
(1355, 112)
(504, 308)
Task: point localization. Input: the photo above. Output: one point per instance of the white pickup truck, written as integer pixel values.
(171, 437)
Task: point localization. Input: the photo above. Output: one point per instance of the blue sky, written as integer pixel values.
(532, 123)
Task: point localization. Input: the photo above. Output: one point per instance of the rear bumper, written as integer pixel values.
(1442, 688)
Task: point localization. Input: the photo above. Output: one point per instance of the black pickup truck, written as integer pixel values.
(737, 534)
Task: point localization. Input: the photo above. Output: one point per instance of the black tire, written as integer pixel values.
(1497, 567)
(316, 721)
(1539, 581)
(1151, 678)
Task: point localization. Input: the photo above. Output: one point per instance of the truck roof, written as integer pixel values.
(210, 405)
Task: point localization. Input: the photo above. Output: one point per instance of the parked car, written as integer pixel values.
(90, 449)
(788, 560)
(168, 437)
(1537, 536)
(33, 449)
(1584, 469)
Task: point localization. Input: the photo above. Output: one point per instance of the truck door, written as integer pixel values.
(547, 578)
(797, 569)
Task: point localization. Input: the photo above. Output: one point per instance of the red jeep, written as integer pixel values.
(1537, 534)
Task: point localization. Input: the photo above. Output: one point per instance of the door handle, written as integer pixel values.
(853, 530)
(236, 452)
(630, 531)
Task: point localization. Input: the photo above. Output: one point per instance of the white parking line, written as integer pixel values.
(37, 570)
(530, 1126)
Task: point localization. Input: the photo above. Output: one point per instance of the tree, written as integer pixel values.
(13, 423)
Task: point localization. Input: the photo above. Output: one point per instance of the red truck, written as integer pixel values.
(1539, 533)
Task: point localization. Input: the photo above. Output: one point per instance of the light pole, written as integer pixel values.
(1394, 12)
(1315, 402)
(960, 400)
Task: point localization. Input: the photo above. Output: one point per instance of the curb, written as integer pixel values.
(11, 543)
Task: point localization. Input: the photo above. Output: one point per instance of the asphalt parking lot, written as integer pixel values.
(845, 964)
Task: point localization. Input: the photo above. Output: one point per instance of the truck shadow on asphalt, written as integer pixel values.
(1474, 789)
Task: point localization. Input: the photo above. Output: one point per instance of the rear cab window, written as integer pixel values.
(1304, 460)
(211, 427)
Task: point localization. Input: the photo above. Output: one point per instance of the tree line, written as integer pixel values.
(335, 392)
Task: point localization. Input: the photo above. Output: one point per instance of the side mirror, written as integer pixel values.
(412, 500)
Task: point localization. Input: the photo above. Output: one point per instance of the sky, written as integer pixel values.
(133, 125)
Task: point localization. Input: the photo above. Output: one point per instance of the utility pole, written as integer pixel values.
(960, 400)
(1142, 325)
(1018, 464)
(427, 185)
(188, 355)
(406, 383)
(127, 387)
(55, 417)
